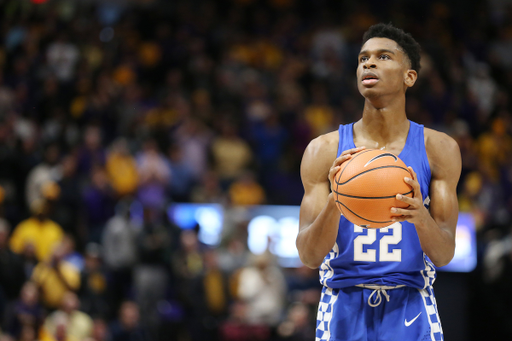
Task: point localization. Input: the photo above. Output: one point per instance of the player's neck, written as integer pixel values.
(383, 124)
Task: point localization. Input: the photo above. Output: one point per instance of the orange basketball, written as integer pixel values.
(366, 186)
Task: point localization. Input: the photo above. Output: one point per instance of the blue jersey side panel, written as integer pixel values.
(386, 256)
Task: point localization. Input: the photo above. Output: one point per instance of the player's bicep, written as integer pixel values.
(444, 207)
(314, 174)
(447, 165)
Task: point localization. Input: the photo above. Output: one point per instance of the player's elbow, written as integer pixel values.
(445, 258)
(307, 257)
(310, 263)
(439, 263)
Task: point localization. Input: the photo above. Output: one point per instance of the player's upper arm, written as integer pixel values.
(445, 164)
(316, 162)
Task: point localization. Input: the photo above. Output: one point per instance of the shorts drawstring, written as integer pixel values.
(378, 290)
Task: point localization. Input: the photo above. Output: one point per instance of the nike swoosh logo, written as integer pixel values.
(408, 323)
(381, 156)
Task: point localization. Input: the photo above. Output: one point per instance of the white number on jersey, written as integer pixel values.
(371, 236)
(359, 241)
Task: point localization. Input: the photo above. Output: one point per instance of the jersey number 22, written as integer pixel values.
(370, 255)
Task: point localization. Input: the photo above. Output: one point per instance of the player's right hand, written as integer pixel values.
(336, 165)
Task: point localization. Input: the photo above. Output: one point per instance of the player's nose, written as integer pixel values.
(369, 63)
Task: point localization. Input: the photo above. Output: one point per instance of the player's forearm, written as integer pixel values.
(437, 243)
(316, 240)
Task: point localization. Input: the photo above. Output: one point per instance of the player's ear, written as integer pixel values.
(410, 77)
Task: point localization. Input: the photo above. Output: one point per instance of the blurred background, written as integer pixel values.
(150, 153)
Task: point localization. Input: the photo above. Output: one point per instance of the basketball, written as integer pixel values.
(366, 186)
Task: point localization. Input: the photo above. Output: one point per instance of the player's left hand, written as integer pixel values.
(416, 212)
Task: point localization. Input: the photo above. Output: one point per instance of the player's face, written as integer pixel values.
(383, 68)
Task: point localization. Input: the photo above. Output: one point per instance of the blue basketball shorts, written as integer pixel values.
(378, 314)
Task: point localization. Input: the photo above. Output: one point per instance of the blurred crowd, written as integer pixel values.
(111, 106)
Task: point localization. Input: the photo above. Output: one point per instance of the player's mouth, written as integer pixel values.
(369, 78)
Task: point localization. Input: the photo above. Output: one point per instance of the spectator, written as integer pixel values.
(319, 115)
(234, 255)
(194, 137)
(119, 251)
(42, 173)
(216, 295)
(28, 334)
(93, 290)
(151, 276)
(100, 331)
(29, 258)
(79, 325)
(188, 267)
(24, 313)
(262, 287)
(61, 332)
(297, 325)
(55, 277)
(62, 57)
(208, 190)
(67, 208)
(39, 231)
(182, 178)
(238, 328)
(12, 273)
(270, 138)
(153, 174)
(231, 154)
(92, 155)
(98, 203)
(127, 327)
(70, 254)
(246, 190)
(122, 169)
(303, 285)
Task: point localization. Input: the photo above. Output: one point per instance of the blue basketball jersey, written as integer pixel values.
(387, 256)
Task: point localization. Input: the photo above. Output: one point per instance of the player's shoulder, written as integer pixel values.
(320, 154)
(441, 148)
(324, 144)
(437, 141)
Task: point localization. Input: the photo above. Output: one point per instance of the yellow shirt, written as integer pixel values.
(231, 156)
(214, 291)
(79, 325)
(44, 335)
(43, 234)
(319, 118)
(246, 193)
(52, 287)
(122, 171)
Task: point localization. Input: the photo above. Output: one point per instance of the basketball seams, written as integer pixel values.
(357, 215)
(367, 171)
(349, 161)
(360, 197)
(341, 173)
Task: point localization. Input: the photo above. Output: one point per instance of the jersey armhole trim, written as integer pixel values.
(340, 140)
(427, 162)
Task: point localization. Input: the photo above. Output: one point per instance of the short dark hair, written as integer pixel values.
(410, 46)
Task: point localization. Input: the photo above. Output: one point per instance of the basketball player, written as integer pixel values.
(378, 282)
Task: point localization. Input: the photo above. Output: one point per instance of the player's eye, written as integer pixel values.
(384, 56)
(363, 59)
